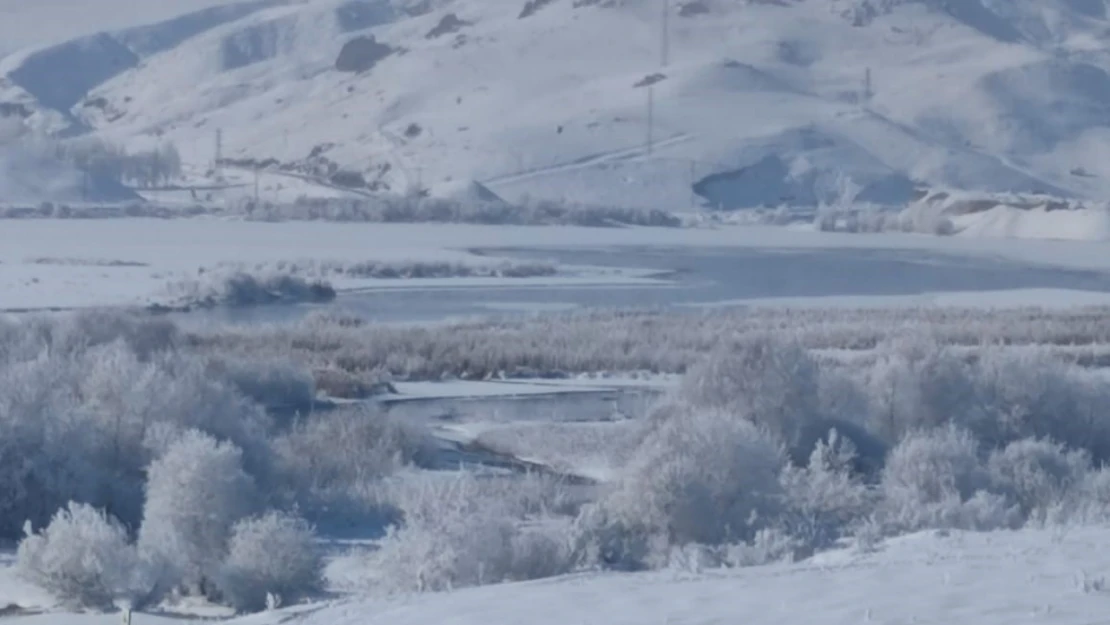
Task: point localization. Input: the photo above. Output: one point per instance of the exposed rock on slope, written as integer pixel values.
(361, 54)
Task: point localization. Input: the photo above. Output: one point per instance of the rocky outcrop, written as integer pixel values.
(449, 24)
(532, 6)
(361, 54)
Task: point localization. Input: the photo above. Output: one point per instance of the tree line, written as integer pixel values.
(145, 168)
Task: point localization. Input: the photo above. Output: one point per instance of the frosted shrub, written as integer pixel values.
(195, 493)
(239, 289)
(918, 384)
(82, 415)
(455, 532)
(703, 476)
(1032, 394)
(467, 551)
(279, 385)
(935, 479)
(329, 457)
(32, 484)
(274, 554)
(768, 546)
(77, 332)
(770, 383)
(665, 342)
(1037, 474)
(841, 396)
(192, 396)
(1086, 502)
(826, 496)
(604, 536)
(542, 550)
(82, 558)
(931, 465)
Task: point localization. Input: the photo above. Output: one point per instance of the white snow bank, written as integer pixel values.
(1036, 577)
(1090, 224)
(1007, 216)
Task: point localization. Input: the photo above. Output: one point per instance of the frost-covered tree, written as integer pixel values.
(702, 476)
(1032, 394)
(82, 557)
(1037, 474)
(772, 383)
(459, 531)
(195, 494)
(937, 479)
(825, 496)
(917, 383)
(273, 555)
(334, 453)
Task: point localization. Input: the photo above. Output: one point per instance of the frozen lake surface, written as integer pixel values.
(714, 276)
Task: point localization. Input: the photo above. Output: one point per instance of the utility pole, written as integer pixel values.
(219, 149)
(650, 118)
(867, 90)
(256, 185)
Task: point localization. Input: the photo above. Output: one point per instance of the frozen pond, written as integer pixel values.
(601, 404)
(707, 277)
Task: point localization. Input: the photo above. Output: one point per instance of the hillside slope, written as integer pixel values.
(760, 102)
(1042, 577)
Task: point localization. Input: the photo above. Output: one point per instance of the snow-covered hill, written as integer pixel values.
(1033, 576)
(759, 102)
(1043, 577)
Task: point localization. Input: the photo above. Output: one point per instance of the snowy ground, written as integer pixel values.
(1034, 576)
(1037, 577)
(1048, 578)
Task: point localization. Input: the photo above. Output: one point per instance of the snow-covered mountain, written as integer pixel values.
(748, 102)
